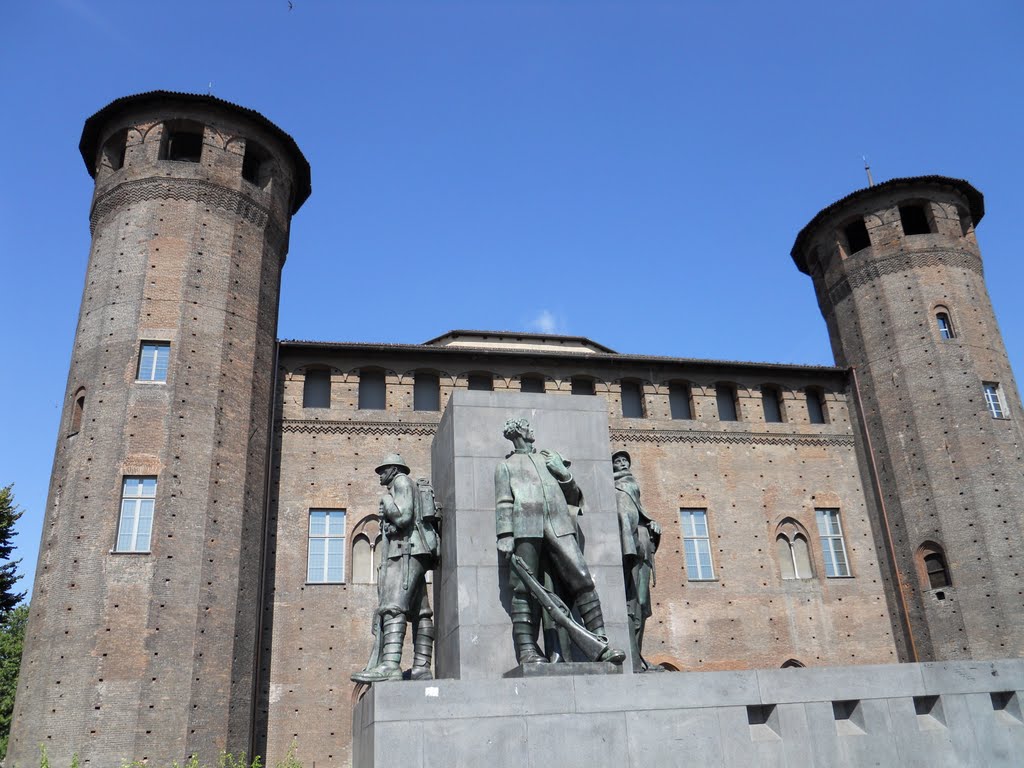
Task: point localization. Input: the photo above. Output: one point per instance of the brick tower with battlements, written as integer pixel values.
(142, 638)
(899, 279)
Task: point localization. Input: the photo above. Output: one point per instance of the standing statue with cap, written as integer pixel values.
(408, 515)
(640, 536)
(537, 502)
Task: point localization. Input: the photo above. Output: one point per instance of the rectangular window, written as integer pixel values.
(726, 397)
(582, 386)
(632, 400)
(372, 391)
(426, 392)
(480, 382)
(815, 407)
(533, 384)
(771, 399)
(697, 544)
(679, 400)
(316, 389)
(994, 401)
(326, 563)
(138, 494)
(153, 357)
(833, 549)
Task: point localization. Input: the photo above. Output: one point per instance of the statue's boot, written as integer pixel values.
(423, 648)
(389, 667)
(589, 606)
(524, 633)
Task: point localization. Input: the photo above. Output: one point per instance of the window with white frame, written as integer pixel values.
(945, 325)
(138, 495)
(153, 357)
(326, 561)
(833, 548)
(993, 400)
(696, 544)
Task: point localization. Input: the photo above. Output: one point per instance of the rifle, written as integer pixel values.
(593, 646)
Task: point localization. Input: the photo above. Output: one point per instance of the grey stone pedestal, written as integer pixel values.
(474, 631)
(939, 714)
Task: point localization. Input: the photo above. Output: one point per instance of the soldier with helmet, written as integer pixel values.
(640, 536)
(410, 550)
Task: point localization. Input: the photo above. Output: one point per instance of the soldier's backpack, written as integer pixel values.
(428, 516)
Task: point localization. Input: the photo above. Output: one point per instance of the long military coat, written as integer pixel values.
(528, 497)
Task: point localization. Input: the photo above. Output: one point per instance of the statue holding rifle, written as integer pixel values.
(537, 502)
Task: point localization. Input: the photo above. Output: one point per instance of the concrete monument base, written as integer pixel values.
(936, 714)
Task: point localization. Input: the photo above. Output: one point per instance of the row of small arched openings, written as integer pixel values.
(631, 391)
(183, 141)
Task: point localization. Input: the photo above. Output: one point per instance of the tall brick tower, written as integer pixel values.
(899, 279)
(141, 643)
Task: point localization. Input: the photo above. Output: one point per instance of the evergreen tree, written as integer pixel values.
(9, 514)
(12, 638)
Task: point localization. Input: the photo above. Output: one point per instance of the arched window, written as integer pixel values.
(944, 323)
(362, 560)
(365, 559)
(256, 164)
(77, 411)
(792, 550)
(932, 566)
(182, 141)
(792, 664)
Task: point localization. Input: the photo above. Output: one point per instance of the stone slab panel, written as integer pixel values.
(674, 738)
(780, 686)
(578, 741)
(665, 690)
(474, 596)
(490, 742)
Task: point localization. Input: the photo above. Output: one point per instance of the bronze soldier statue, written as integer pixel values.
(537, 502)
(411, 548)
(640, 537)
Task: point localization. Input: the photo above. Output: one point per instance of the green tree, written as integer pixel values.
(12, 638)
(9, 514)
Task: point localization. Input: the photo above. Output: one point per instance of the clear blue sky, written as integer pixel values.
(635, 172)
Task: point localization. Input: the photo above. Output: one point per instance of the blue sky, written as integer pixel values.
(635, 172)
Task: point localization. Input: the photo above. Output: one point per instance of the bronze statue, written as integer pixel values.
(410, 544)
(537, 502)
(640, 537)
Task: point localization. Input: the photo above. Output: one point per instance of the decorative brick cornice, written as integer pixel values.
(314, 427)
(903, 262)
(197, 190)
(428, 429)
(620, 436)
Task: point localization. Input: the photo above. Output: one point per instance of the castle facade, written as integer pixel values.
(206, 577)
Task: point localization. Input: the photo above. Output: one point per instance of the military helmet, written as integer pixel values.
(392, 460)
(623, 453)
